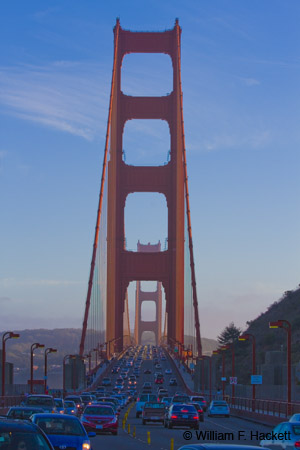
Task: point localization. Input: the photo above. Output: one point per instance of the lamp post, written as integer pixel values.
(247, 337)
(64, 371)
(288, 328)
(47, 351)
(5, 337)
(33, 347)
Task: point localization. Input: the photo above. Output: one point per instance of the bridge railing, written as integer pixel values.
(276, 408)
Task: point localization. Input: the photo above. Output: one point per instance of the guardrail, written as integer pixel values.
(279, 409)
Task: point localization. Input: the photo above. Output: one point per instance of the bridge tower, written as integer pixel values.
(142, 296)
(125, 266)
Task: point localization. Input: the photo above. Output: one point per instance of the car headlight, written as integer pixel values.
(86, 446)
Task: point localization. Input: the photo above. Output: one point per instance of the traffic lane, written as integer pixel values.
(221, 430)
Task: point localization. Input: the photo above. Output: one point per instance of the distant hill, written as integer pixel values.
(288, 308)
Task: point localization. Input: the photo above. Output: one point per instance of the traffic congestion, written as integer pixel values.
(140, 403)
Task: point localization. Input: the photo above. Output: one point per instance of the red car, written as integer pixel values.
(100, 418)
(159, 380)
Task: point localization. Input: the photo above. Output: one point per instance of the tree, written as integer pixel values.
(229, 334)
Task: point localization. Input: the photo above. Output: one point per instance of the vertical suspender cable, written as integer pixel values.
(90, 284)
(195, 299)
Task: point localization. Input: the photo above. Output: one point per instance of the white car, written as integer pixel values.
(218, 408)
(168, 371)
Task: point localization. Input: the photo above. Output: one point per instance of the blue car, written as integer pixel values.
(218, 408)
(64, 431)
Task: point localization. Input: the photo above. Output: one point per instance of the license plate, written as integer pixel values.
(185, 416)
(99, 427)
(154, 418)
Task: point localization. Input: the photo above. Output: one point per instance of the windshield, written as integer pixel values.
(60, 426)
(23, 413)
(69, 404)
(58, 402)
(40, 401)
(26, 441)
(184, 408)
(99, 411)
(220, 404)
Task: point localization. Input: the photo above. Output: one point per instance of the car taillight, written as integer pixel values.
(200, 410)
(158, 399)
(297, 444)
(173, 416)
(138, 399)
(196, 417)
(184, 410)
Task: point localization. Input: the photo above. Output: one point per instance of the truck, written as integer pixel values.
(153, 412)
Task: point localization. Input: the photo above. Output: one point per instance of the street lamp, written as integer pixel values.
(247, 337)
(5, 337)
(288, 328)
(47, 351)
(64, 371)
(33, 347)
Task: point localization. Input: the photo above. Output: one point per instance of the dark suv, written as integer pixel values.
(16, 432)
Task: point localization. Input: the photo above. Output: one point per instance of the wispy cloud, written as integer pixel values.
(9, 282)
(254, 140)
(250, 81)
(66, 96)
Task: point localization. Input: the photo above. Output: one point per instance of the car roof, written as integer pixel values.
(26, 408)
(55, 416)
(16, 424)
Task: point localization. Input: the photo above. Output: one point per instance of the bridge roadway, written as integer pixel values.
(160, 436)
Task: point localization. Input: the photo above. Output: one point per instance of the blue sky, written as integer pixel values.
(240, 75)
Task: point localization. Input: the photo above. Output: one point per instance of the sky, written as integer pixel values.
(241, 97)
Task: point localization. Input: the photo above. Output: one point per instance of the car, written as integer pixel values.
(173, 382)
(22, 412)
(159, 379)
(199, 399)
(46, 402)
(147, 386)
(100, 418)
(141, 400)
(153, 412)
(59, 404)
(168, 371)
(64, 431)
(70, 407)
(14, 433)
(199, 411)
(295, 418)
(106, 381)
(77, 400)
(290, 436)
(182, 415)
(181, 398)
(166, 400)
(218, 408)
